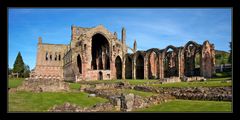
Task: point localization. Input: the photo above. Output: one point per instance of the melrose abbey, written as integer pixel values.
(98, 54)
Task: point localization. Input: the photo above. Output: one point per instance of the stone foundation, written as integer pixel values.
(44, 85)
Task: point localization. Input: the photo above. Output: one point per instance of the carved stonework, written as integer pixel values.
(96, 53)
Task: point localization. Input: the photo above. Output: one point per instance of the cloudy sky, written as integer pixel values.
(152, 28)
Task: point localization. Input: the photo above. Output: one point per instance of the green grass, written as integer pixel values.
(214, 82)
(193, 84)
(141, 82)
(223, 74)
(99, 81)
(190, 106)
(140, 93)
(218, 79)
(133, 82)
(15, 82)
(74, 86)
(38, 102)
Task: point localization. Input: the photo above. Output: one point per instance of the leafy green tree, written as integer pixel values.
(9, 70)
(18, 66)
(230, 56)
(26, 71)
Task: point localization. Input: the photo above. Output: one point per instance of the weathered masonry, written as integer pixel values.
(97, 54)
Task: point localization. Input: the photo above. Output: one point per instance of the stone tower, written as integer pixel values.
(135, 46)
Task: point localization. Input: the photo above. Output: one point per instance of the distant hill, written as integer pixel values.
(221, 52)
(221, 57)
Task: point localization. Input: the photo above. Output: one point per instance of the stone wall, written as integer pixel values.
(67, 107)
(43, 85)
(193, 93)
(84, 58)
(49, 60)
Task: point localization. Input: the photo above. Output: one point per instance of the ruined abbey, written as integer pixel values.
(98, 54)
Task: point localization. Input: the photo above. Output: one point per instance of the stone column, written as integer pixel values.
(123, 69)
(162, 66)
(179, 66)
(134, 69)
(113, 70)
(146, 68)
(181, 62)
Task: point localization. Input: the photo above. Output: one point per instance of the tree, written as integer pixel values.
(230, 56)
(9, 70)
(26, 72)
(18, 66)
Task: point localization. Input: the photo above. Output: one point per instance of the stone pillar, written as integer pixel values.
(123, 69)
(134, 69)
(113, 70)
(146, 68)
(179, 66)
(84, 70)
(213, 59)
(181, 62)
(208, 60)
(162, 67)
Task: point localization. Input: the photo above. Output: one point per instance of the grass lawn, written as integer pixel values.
(140, 93)
(223, 74)
(141, 82)
(74, 86)
(190, 106)
(133, 82)
(193, 84)
(14, 82)
(99, 81)
(38, 102)
(214, 82)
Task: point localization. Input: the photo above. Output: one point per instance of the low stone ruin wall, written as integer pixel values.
(120, 85)
(67, 107)
(197, 78)
(192, 79)
(204, 93)
(171, 80)
(43, 85)
(193, 93)
(128, 102)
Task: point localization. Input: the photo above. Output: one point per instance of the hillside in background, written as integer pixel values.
(221, 57)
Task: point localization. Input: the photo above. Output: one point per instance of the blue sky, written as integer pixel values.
(152, 27)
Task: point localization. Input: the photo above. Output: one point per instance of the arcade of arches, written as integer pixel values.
(98, 54)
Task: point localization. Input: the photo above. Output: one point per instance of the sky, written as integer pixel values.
(151, 27)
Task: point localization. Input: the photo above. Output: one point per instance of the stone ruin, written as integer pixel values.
(98, 54)
(67, 107)
(125, 102)
(193, 93)
(122, 101)
(43, 85)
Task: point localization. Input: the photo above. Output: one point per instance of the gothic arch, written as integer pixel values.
(118, 66)
(189, 52)
(79, 64)
(152, 62)
(128, 66)
(100, 52)
(139, 66)
(170, 61)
